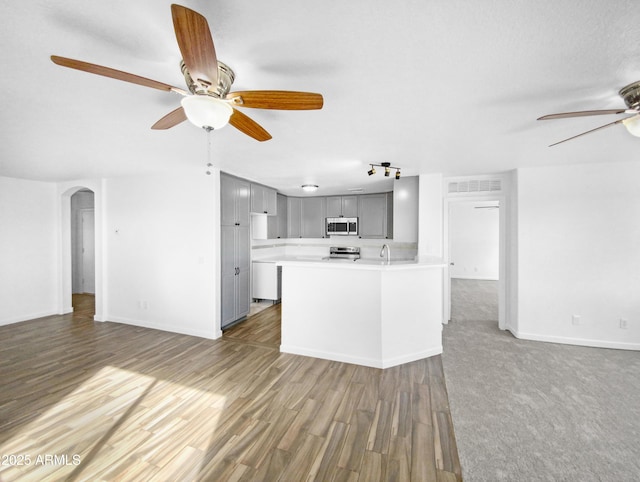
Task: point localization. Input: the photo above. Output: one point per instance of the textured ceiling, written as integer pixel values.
(431, 86)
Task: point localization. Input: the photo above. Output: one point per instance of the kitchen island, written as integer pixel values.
(367, 312)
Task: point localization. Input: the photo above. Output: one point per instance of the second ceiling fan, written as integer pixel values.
(631, 96)
(208, 103)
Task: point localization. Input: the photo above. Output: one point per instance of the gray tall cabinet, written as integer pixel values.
(234, 248)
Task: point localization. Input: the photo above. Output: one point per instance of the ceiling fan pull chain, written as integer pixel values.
(209, 159)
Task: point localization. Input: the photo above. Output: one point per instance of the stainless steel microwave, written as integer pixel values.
(342, 226)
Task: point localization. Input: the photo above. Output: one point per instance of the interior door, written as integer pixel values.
(88, 252)
(474, 242)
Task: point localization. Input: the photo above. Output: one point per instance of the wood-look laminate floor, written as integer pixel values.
(83, 400)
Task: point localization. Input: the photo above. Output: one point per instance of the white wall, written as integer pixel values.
(28, 250)
(474, 232)
(162, 252)
(579, 254)
(430, 223)
(405, 209)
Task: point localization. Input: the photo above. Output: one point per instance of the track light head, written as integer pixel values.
(398, 174)
(386, 172)
(371, 171)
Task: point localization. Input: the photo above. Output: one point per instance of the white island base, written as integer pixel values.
(376, 315)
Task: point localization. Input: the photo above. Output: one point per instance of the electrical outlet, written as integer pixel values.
(624, 323)
(575, 319)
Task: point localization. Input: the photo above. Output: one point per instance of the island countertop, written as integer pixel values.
(361, 263)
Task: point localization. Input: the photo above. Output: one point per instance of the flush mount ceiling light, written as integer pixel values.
(387, 169)
(309, 187)
(206, 111)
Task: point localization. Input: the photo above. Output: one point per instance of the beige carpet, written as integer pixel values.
(529, 411)
(474, 300)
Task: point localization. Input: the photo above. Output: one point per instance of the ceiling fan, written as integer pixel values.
(208, 102)
(631, 96)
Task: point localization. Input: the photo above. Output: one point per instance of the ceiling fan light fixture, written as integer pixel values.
(206, 111)
(633, 125)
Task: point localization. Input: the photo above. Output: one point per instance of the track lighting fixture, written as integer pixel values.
(387, 169)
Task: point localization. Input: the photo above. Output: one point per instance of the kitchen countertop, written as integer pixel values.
(362, 263)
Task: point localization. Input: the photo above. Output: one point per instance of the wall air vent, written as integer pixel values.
(475, 185)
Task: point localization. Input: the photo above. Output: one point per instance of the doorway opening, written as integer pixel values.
(476, 255)
(83, 251)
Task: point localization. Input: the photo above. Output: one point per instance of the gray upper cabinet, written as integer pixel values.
(306, 217)
(294, 211)
(263, 200)
(374, 214)
(313, 214)
(234, 201)
(277, 225)
(342, 206)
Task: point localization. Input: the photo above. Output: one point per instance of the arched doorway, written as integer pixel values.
(82, 221)
(70, 246)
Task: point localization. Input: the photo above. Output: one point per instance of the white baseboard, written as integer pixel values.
(392, 362)
(171, 329)
(368, 362)
(618, 345)
(32, 316)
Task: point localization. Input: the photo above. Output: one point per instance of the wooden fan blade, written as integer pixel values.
(196, 45)
(589, 132)
(584, 113)
(247, 125)
(173, 118)
(113, 73)
(277, 99)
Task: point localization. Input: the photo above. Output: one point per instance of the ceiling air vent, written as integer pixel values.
(475, 185)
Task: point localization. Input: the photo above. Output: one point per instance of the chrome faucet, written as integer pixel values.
(386, 246)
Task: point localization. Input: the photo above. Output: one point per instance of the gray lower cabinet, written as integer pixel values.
(235, 273)
(234, 248)
(375, 215)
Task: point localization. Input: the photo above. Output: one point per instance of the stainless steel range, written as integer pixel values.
(344, 252)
